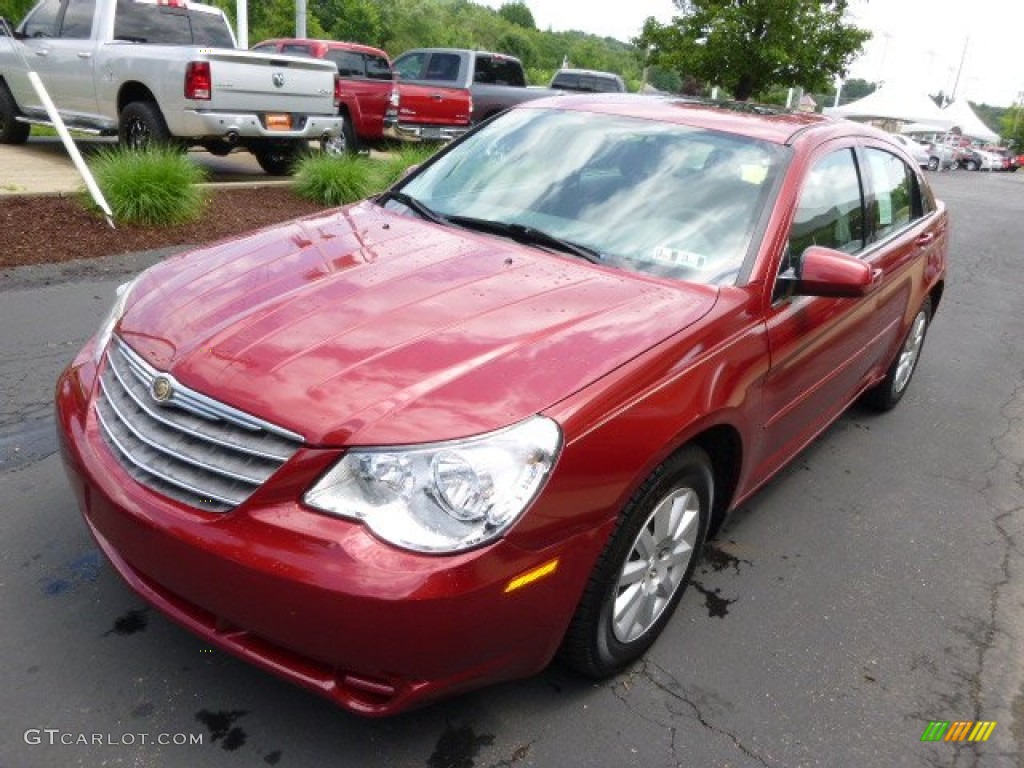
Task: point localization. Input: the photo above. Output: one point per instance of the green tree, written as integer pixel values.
(354, 20)
(15, 10)
(517, 13)
(747, 46)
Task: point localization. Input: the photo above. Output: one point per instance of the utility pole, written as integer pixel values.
(963, 55)
(242, 14)
(300, 18)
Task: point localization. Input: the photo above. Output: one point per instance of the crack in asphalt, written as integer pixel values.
(620, 688)
(985, 636)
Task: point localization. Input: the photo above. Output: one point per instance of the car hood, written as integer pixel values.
(369, 327)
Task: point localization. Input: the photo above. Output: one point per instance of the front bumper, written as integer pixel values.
(202, 124)
(316, 599)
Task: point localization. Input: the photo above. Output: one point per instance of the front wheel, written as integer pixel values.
(644, 569)
(890, 390)
(970, 165)
(141, 125)
(933, 164)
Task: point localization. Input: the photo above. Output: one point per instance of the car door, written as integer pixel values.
(820, 348)
(65, 60)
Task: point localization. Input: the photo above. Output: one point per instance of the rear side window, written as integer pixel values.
(831, 209)
(294, 49)
(349, 64)
(77, 24)
(377, 67)
(498, 71)
(892, 190)
(148, 23)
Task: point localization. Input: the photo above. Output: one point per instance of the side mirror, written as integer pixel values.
(827, 272)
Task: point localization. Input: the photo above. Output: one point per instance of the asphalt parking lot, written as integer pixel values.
(877, 584)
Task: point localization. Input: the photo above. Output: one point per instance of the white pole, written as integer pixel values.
(300, 18)
(242, 12)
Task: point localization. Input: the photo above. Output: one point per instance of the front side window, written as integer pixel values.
(663, 199)
(830, 212)
(410, 67)
(43, 21)
(892, 190)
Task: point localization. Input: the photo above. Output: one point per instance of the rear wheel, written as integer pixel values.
(971, 165)
(11, 131)
(141, 125)
(344, 143)
(279, 159)
(889, 391)
(644, 569)
(933, 163)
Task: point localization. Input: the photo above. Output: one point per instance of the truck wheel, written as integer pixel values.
(11, 131)
(344, 143)
(141, 125)
(279, 159)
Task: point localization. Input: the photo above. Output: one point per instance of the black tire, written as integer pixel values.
(345, 143)
(971, 165)
(640, 575)
(279, 159)
(933, 163)
(141, 125)
(11, 131)
(889, 391)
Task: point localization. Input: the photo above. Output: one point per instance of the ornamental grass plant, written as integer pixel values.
(156, 186)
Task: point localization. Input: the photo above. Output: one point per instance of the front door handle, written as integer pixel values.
(926, 238)
(85, 54)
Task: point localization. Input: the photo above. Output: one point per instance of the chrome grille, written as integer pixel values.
(189, 446)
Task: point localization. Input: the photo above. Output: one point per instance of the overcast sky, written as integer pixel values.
(916, 41)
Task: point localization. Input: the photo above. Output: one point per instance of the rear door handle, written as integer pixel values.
(437, 97)
(85, 54)
(42, 51)
(926, 238)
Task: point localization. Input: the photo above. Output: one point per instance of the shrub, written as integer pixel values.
(334, 179)
(150, 187)
(390, 169)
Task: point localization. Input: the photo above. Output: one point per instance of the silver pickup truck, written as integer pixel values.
(163, 71)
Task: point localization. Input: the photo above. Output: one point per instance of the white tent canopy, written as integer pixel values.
(894, 101)
(960, 114)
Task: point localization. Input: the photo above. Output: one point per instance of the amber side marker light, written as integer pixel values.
(535, 574)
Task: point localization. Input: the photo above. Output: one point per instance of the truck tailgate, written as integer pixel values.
(433, 105)
(242, 80)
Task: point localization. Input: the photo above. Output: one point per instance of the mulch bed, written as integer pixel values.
(45, 229)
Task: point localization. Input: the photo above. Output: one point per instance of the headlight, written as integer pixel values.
(442, 497)
(107, 328)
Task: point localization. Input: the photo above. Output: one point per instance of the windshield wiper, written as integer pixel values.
(413, 204)
(522, 233)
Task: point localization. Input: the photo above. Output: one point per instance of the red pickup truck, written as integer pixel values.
(365, 88)
(443, 91)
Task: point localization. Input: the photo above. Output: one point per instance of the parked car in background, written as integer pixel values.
(587, 81)
(436, 85)
(917, 150)
(365, 88)
(166, 72)
(941, 156)
(976, 159)
(426, 442)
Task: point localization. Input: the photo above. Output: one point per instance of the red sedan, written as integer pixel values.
(429, 441)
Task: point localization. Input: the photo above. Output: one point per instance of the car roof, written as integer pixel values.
(595, 72)
(757, 121)
(333, 44)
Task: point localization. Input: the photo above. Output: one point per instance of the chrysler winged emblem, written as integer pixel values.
(161, 389)
(278, 79)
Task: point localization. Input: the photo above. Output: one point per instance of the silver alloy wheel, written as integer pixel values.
(335, 145)
(137, 135)
(657, 563)
(910, 352)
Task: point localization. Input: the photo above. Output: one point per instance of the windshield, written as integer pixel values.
(659, 198)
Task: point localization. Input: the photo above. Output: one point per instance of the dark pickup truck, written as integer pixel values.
(442, 92)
